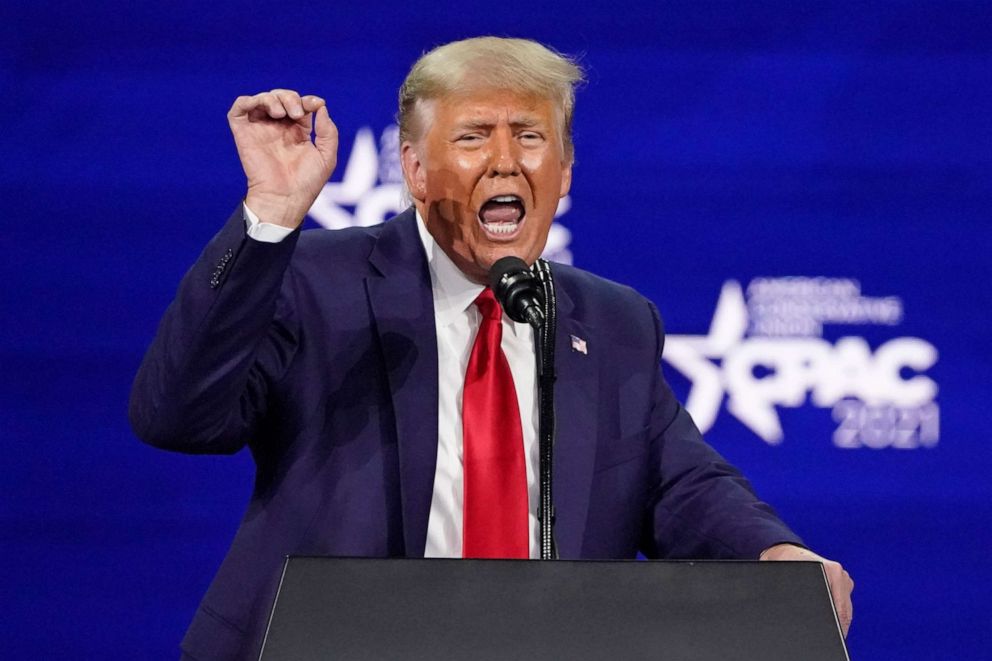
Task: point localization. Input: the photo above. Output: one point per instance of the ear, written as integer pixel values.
(414, 173)
(566, 179)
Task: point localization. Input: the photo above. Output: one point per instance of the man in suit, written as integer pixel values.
(357, 365)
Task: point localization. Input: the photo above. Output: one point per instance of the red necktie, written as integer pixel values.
(495, 477)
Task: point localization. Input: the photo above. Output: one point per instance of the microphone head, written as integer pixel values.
(518, 291)
(503, 267)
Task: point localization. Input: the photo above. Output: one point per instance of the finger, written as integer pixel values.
(257, 107)
(268, 104)
(311, 102)
(265, 104)
(845, 611)
(291, 101)
(325, 137)
(241, 106)
(845, 615)
(849, 605)
(841, 586)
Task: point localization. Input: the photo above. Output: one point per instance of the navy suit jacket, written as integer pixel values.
(319, 353)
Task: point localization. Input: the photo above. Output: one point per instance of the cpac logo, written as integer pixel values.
(371, 190)
(767, 351)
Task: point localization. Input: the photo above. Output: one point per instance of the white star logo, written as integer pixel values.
(696, 357)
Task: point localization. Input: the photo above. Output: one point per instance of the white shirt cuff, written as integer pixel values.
(264, 232)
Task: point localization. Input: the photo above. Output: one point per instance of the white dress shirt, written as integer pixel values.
(456, 320)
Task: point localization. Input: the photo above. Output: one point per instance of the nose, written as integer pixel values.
(505, 159)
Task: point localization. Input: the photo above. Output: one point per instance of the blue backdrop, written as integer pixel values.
(803, 188)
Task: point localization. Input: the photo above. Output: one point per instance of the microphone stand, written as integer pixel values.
(544, 345)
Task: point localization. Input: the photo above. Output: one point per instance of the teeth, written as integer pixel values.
(500, 228)
(505, 198)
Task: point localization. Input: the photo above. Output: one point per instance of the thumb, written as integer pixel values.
(326, 138)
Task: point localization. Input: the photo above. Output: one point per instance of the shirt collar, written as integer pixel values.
(453, 292)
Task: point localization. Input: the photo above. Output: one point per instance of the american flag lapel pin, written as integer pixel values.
(578, 344)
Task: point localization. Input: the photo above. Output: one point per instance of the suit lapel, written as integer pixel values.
(576, 405)
(403, 308)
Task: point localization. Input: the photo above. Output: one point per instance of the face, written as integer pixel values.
(486, 174)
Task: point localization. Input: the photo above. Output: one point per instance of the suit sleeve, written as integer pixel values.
(228, 334)
(700, 506)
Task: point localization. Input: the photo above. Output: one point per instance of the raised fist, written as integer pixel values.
(285, 169)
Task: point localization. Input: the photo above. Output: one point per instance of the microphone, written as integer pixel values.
(518, 291)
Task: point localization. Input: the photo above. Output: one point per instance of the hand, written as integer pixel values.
(838, 579)
(285, 170)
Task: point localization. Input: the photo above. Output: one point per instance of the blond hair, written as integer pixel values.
(517, 65)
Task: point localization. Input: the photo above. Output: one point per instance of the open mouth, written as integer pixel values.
(502, 215)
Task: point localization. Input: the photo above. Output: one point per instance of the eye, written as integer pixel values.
(531, 137)
(469, 138)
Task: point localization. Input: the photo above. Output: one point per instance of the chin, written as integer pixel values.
(500, 252)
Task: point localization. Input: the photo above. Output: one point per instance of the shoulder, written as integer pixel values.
(352, 243)
(349, 250)
(600, 301)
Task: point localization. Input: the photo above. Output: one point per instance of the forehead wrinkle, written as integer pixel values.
(525, 121)
(522, 120)
(476, 123)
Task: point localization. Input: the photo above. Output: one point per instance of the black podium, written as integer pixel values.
(356, 608)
